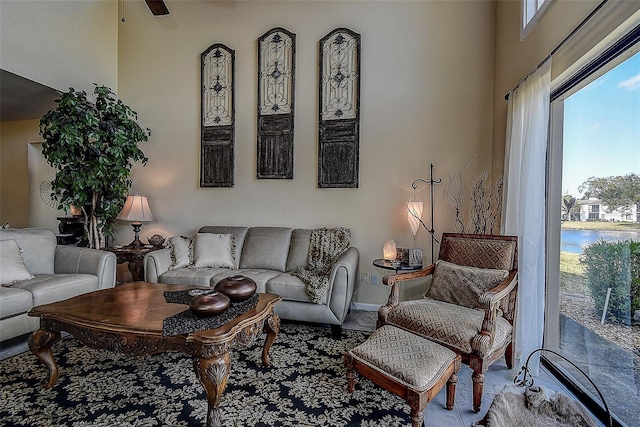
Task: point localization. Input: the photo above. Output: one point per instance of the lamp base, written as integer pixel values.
(136, 241)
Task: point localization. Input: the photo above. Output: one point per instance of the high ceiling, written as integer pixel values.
(23, 99)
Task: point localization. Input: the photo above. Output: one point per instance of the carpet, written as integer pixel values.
(306, 386)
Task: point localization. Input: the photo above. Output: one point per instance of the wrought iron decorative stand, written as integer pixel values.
(430, 229)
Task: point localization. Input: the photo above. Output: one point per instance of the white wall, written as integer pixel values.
(427, 86)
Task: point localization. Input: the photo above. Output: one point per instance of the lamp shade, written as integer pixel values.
(136, 209)
(414, 213)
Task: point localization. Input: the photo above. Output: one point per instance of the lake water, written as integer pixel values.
(576, 240)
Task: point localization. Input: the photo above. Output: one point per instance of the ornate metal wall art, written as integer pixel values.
(276, 87)
(339, 122)
(218, 117)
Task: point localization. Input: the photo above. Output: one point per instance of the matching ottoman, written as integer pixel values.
(407, 365)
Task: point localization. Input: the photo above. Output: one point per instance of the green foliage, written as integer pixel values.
(616, 192)
(616, 266)
(92, 146)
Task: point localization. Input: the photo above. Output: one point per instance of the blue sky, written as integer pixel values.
(602, 127)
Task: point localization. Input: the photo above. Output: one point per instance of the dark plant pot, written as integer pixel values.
(238, 287)
(209, 304)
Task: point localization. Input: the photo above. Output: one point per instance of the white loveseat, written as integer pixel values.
(268, 255)
(59, 272)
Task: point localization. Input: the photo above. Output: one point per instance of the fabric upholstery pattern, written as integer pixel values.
(13, 269)
(212, 250)
(416, 362)
(446, 323)
(463, 285)
(327, 245)
(481, 253)
(180, 251)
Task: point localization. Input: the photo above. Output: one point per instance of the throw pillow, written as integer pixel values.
(462, 285)
(180, 251)
(213, 250)
(13, 268)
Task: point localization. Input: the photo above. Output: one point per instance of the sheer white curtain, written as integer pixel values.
(524, 203)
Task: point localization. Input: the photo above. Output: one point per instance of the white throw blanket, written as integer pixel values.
(534, 407)
(327, 245)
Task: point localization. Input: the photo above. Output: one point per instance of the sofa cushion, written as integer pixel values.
(48, 288)
(13, 267)
(259, 275)
(299, 249)
(180, 251)
(213, 250)
(38, 245)
(239, 233)
(191, 276)
(462, 285)
(266, 247)
(291, 288)
(14, 301)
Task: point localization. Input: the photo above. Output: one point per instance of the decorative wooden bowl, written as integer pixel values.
(237, 287)
(209, 304)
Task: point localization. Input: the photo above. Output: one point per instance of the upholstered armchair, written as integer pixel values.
(470, 306)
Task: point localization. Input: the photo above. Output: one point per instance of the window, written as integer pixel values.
(595, 132)
(532, 10)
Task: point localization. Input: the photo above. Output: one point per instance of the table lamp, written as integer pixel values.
(136, 209)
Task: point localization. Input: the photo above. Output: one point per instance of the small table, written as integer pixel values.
(129, 319)
(396, 266)
(135, 257)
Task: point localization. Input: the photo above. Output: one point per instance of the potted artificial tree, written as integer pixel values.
(93, 146)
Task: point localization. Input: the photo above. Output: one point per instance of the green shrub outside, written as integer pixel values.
(614, 265)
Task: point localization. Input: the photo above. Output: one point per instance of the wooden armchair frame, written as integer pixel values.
(498, 301)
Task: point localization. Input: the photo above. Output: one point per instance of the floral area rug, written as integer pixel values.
(306, 386)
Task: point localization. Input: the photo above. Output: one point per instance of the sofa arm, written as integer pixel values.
(156, 263)
(342, 283)
(75, 260)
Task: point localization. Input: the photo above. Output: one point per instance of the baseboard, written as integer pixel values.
(363, 306)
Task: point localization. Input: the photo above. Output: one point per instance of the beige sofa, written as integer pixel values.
(266, 255)
(60, 272)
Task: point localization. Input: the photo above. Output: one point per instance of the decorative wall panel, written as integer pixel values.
(339, 122)
(276, 87)
(218, 117)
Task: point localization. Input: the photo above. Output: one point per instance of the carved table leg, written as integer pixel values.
(40, 343)
(272, 328)
(213, 373)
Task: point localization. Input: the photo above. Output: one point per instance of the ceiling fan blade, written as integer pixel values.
(157, 7)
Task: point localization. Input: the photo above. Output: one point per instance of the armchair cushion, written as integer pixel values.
(479, 252)
(13, 267)
(462, 285)
(451, 325)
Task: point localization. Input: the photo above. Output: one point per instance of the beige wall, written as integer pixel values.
(427, 76)
(59, 44)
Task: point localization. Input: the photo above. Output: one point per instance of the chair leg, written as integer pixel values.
(417, 418)
(451, 391)
(508, 355)
(336, 332)
(478, 386)
(351, 372)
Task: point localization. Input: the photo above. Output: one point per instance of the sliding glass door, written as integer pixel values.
(593, 229)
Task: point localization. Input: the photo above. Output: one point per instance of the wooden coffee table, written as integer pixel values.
(128, 319)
